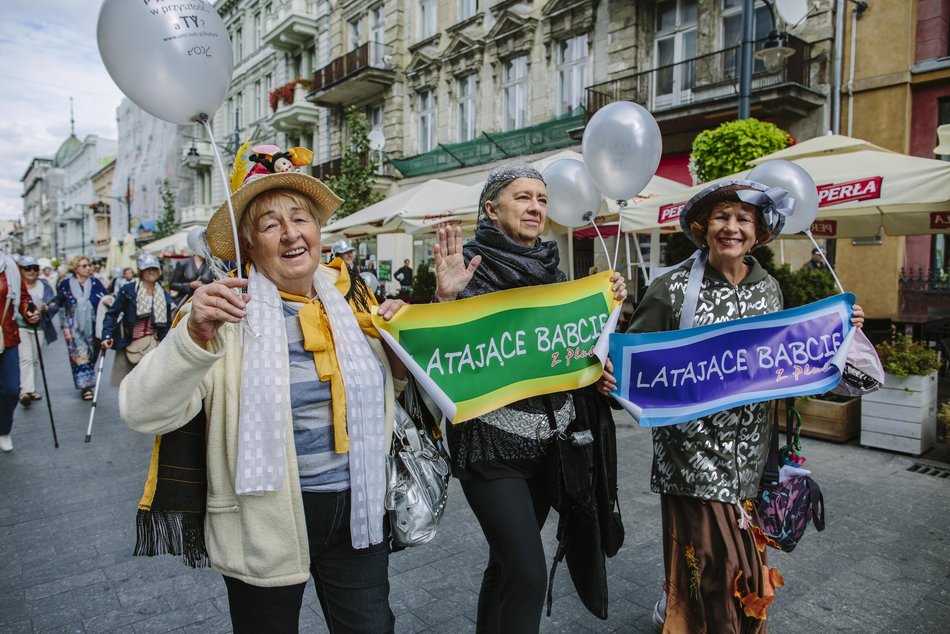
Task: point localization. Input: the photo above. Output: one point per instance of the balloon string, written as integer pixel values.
(827, 263)
(224, 178)
(622, 204)
(203, 118)
(603, 244)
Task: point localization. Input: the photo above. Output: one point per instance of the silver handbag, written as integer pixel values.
(418, 483)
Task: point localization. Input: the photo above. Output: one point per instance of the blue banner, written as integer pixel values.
(666, 378)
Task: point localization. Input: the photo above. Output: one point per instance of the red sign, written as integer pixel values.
(669, 213)
(824, 228)
(838, 193)
(940, 220)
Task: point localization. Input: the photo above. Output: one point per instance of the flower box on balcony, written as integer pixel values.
(287, 93)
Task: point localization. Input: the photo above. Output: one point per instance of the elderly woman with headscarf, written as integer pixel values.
(138, 319)
(78, 296)
(501, 457)
(708, 470)
(299, 397)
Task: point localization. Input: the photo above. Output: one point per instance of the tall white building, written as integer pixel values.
(37, 221)
(77, 162)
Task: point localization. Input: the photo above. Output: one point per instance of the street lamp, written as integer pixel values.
(772, 56)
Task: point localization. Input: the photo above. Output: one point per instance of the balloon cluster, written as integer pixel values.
(621, 147)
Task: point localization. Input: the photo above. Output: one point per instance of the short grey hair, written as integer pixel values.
(501, 177)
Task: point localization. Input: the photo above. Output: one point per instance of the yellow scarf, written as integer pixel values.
(318, 339)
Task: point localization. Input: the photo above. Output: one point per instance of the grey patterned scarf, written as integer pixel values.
(508, 264)
(83, 306)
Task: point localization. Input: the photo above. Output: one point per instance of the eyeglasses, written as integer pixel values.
(83, 265)
(36, 269)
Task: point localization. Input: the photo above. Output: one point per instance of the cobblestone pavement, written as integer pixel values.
(67, 531)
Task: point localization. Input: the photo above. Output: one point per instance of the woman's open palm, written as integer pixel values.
(451, 274)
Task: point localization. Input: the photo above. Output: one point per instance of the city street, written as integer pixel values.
(67, 529)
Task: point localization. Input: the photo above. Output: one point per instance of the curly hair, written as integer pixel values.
(74, 262)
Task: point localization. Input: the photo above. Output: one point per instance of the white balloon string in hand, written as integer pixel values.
(828, 264)
(589, 217)
(203, 118)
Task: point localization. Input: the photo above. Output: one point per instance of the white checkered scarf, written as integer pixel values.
(265, 403)
(151, 304)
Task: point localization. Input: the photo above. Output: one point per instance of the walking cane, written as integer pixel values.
(49, 405)
(95, 393)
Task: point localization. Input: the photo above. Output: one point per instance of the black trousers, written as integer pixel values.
(511, 512)
(352, 585)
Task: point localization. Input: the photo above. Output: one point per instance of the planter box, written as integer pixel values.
(902, 416)
(828, 420)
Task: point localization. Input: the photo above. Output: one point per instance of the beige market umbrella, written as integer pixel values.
(862, 189)
(175, 245)
(127, 253)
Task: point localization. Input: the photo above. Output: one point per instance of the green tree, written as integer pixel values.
(168, 223)
(423, 283)
(358, 167)
(730, 147)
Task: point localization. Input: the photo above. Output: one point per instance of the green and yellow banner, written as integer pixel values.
(478, 354)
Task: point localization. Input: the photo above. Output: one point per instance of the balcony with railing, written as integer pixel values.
(333, 167)
(196, 214)
(365, 71)
(680, 93)
(292, 111)
(291, 25)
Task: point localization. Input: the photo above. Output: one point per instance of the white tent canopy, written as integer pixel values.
(862, 188)
(175, 244)
(431, 202)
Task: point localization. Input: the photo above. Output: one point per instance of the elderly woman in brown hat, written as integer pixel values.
(707, 470)
(298, 394)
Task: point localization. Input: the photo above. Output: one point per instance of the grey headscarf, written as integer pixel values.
(501, 177)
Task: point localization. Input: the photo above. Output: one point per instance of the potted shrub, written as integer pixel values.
(902, 416)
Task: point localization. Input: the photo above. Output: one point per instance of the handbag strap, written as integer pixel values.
(770, 474)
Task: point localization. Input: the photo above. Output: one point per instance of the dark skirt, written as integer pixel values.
(718, 579)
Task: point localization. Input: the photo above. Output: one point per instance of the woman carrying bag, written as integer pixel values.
(44, 300)
(142, 313)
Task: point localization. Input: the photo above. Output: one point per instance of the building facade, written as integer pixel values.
(75, 222)
(37, 222)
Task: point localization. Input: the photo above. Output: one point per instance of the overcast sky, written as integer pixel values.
(48, 53)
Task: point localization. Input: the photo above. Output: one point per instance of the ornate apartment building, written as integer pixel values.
(451, 86)
(37, 220)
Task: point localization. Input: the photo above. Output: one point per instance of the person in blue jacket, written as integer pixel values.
(138, 319)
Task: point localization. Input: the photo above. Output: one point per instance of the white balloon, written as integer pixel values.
(622, 148)
(573, 199)
(370, 280)
(172, 59)
(798, 183)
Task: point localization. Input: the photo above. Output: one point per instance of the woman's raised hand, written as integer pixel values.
(451, 274)
(857, 316)
(214, 305)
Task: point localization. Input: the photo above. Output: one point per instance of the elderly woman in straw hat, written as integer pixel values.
(708, 470)
(501, 458)
(298, 394)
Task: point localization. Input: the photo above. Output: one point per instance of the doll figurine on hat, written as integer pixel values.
(269, 159)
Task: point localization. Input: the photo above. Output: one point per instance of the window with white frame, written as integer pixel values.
(377, 36)
(674, 52)
(375, 119)
(238, 45)
(356, 32)
(268, 89)
(258, 31)
(732, 34)
(259, 104)
(515, 92)
(571, 73)
(426, 121)
(239, 109)
(427, 19)
(466, 107)
(466, 9)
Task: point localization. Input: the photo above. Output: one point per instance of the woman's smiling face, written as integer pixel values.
(285, 245)
(731, 231)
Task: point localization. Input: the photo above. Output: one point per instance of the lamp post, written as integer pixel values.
(773, 55)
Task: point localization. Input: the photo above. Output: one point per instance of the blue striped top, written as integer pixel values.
(321, 468)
